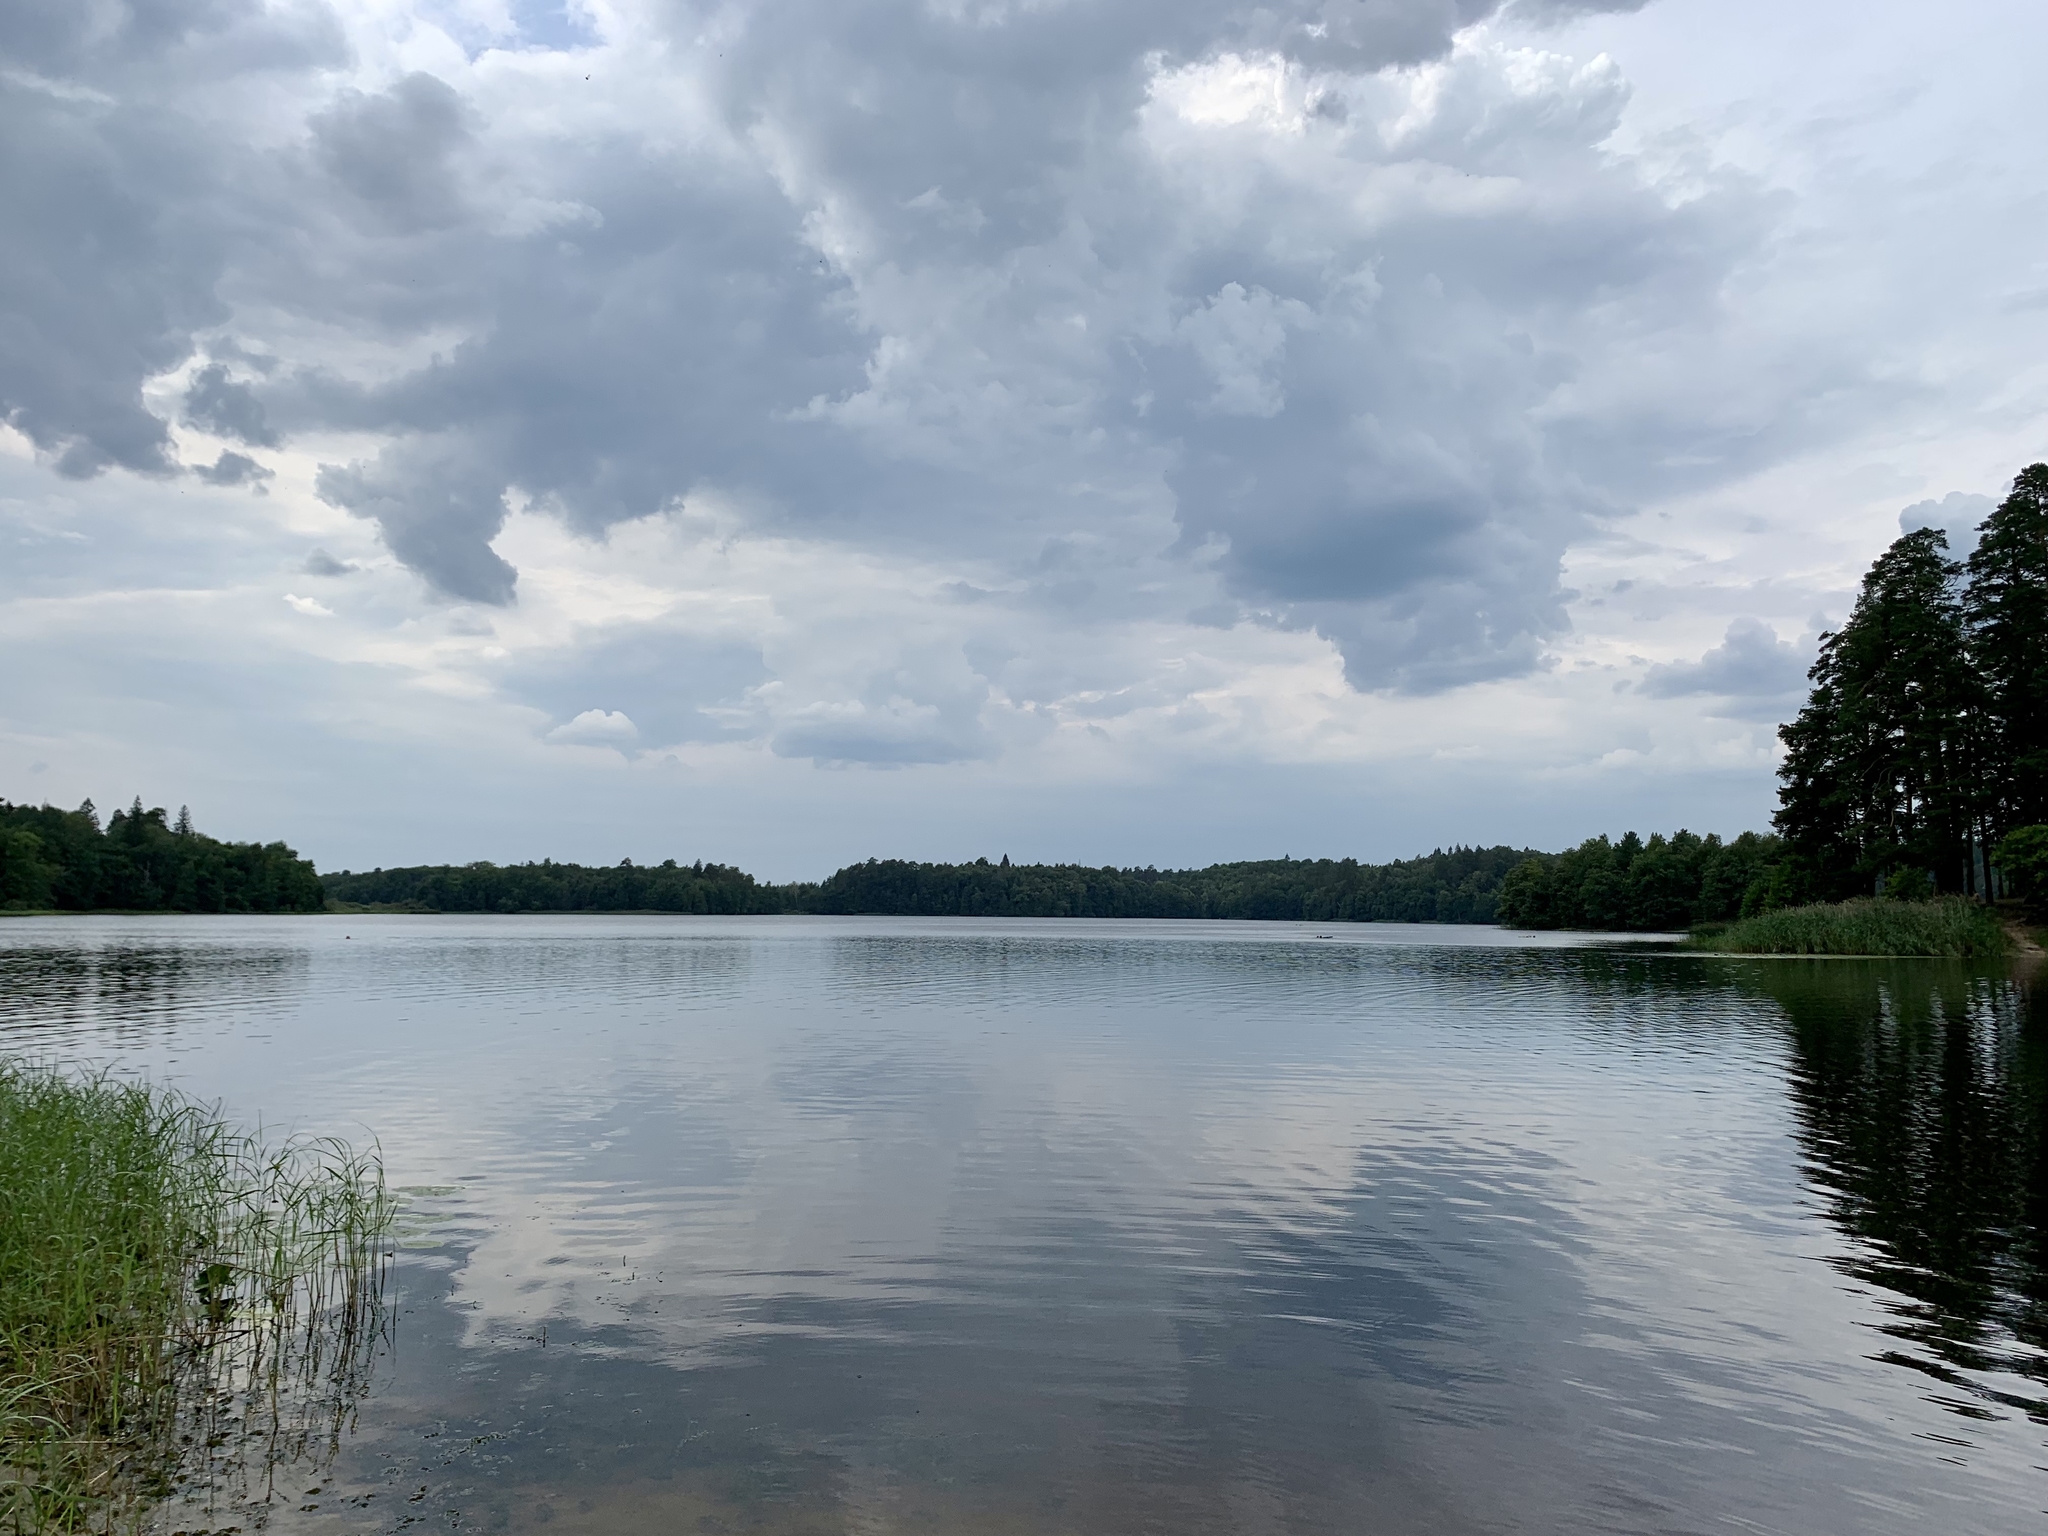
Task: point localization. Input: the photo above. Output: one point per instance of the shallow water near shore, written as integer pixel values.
(883, 1225)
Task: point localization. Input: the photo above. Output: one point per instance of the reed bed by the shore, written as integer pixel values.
(180, 1305)
(1952, 929)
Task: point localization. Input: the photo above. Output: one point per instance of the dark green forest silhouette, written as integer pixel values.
(1457, 885)
(1658, 886)
(142, 862)
(551, 887)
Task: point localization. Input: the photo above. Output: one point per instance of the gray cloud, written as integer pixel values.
(1758, 674)
(321, 563)
(233, 468)
(675, 688)
(1042, 386)
(598, 728)
(227, 409)
(890, 739)
(122, 204)
(1957, 514)
(395, 152)
(1356, 433)
(948, 279)
(79, 336)
(926, 708)
(438, 511)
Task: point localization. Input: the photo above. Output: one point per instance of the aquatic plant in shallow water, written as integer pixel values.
(183, 1309)
(1953, 929)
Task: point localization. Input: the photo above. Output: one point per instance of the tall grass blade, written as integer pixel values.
(183, 1309)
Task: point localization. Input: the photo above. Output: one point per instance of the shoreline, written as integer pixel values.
(2026, 939)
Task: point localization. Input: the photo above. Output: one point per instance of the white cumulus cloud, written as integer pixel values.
(597, 728)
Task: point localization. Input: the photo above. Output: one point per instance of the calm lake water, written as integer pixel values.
(877, 1226)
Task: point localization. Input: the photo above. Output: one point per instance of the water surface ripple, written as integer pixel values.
(874, 1225)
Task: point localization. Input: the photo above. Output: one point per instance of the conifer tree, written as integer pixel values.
(2006, 605)
(1881, 766)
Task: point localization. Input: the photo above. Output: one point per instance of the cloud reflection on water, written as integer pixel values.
(1093, 1227)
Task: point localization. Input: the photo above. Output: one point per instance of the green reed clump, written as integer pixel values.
(178, 1302)
(1952, 929)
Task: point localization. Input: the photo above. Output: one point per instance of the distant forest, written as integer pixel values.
(1659, 886)
(551, 887)
(143, 862)
(1678, 878)
(1454, 886)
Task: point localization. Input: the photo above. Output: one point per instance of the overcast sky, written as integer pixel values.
(1146, 431)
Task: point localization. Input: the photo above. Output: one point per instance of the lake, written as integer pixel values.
(881, 1225)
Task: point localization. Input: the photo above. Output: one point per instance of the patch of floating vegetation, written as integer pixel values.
(1952, 929)
(184, 1310)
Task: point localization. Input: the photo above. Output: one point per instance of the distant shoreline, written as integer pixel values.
(1686, 879)
(2025, 946)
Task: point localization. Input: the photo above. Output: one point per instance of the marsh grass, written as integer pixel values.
(183, 1309)
(1953, 929)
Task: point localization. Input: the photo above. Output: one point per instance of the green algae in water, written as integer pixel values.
(183, 1308)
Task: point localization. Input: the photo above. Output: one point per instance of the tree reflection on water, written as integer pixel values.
(1922, 1094)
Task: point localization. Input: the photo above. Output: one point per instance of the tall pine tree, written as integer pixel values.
(1881, 767)
(2006, 605)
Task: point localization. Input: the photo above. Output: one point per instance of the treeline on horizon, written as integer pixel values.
(141, 861)
(1683, 875)
(1457, 885)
